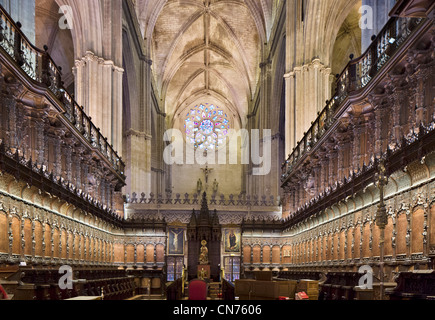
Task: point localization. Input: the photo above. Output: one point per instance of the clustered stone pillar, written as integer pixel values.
(308, 87)
(95, 77)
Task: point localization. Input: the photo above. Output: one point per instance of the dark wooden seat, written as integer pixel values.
(413, 286)
(42, 283)
(340, 286)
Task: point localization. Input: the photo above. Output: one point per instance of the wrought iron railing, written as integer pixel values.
(356, 76)
(40, 67)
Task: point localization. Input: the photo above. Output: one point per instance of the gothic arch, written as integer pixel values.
(87, 31)
(347, 40)
(338, 13)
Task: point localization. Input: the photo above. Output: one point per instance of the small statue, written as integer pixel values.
(408, 237)
(424, 234)
(199, 186)
(203, 257)
(215, 186)
(202, 274)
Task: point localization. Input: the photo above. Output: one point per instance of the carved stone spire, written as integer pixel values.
(204, 215)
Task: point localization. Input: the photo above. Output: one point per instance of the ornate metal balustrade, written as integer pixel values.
(40, 67)
(357, 75)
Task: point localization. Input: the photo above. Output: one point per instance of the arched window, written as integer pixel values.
(206, 127)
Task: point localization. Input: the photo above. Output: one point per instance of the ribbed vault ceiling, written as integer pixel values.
(206, 50)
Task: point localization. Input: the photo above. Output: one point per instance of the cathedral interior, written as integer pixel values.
(262, 147)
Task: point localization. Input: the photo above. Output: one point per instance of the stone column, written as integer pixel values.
(312, 88)
(95, 78)
(290, 135)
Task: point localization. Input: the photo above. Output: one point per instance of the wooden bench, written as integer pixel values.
(228, 290)
(416, 285)
(174, 290)
(297, 275)
(307, 281)
(38, 283)
(344, 286)
(248, 289)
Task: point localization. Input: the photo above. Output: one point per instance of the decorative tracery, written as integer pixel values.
(206, 127)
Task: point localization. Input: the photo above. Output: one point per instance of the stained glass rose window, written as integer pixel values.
(206, 127)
